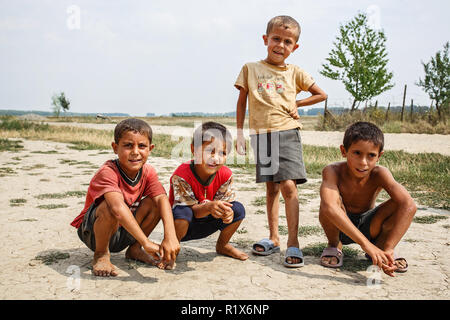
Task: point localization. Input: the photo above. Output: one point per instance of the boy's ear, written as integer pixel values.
(295, 47)
(343, 151)
(265, 39)
(151, 147)
(114, 146)
(380, 154)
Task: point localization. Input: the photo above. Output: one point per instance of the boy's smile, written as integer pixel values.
(209, 158)
(280, 42)
(362, 156)
(132, 150)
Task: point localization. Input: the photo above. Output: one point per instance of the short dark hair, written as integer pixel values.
(283, 21)
(209, 130)
(135, 125)
(365, 131)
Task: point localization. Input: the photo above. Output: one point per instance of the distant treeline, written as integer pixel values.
(302, 112)
(66, 114)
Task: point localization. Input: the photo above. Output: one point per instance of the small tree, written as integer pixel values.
(437, 81)
(60, 102)
(359, 60)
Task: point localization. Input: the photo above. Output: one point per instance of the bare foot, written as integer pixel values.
(102, 265)
(136, 252)
(330, 260)
(401, 264)
(229, 250)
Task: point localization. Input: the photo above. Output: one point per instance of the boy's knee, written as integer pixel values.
(104, 212)
(183, 212)
(239, 210)
(288, 189)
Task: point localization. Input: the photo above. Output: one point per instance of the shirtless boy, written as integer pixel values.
(347, 209)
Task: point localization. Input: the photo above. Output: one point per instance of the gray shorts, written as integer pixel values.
(362, 222)
(119, 240)
(279, 156)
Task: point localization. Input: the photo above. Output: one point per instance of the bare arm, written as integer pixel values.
(169, 246)
(240, 117)
(406, 207)
(317, 95)
(124, 216)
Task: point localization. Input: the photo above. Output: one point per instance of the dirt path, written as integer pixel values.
(37, 207)
(409, 142)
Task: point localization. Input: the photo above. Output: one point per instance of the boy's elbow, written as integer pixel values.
(324, 96)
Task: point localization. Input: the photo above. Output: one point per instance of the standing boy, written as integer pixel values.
(347, 208)
(124, 203)
(201, 192)
(271, 87)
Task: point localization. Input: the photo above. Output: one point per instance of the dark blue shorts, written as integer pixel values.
(120, 240)
(203, 227)
(362, 222)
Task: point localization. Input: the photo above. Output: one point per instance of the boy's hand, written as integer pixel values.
(221, 210)
(152, 249)
(294, 114)
(169, 249)
(384, 260)
(241, 147)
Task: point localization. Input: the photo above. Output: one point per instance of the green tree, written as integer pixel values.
(437, 81)
(359, 60)
(60, 102)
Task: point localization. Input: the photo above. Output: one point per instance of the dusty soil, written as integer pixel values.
(42, 257)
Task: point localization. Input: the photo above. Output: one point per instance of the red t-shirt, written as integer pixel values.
(201, 192)
(110, 178)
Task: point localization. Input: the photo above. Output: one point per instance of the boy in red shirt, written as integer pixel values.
(201, 193)
(124, 203)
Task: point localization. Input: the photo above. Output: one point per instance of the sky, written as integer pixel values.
(140, 57)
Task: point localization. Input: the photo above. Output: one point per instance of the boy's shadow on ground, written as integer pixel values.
(77, 262)
(275, 261)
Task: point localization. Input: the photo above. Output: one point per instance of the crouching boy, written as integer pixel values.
(347, 209)
(201, 192)
(124, 203)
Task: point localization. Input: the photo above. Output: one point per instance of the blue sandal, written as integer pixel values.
(268, 246)
(293, 252)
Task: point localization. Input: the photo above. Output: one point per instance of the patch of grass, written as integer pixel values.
(259, 201)
(52, 257)
(259, 211)
(17, 202)
(71, 162)
(5, 171)
(283, 230)
(10, 145)
(243, 243)
(29, 220)
(52, 206)
(46, 152)
(33, 167)
(429, 219)
(309, 230)
(411, 240)
(242, 230)
(248, 188)
(77, 194)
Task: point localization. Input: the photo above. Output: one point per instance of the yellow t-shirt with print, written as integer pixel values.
(272, 93)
